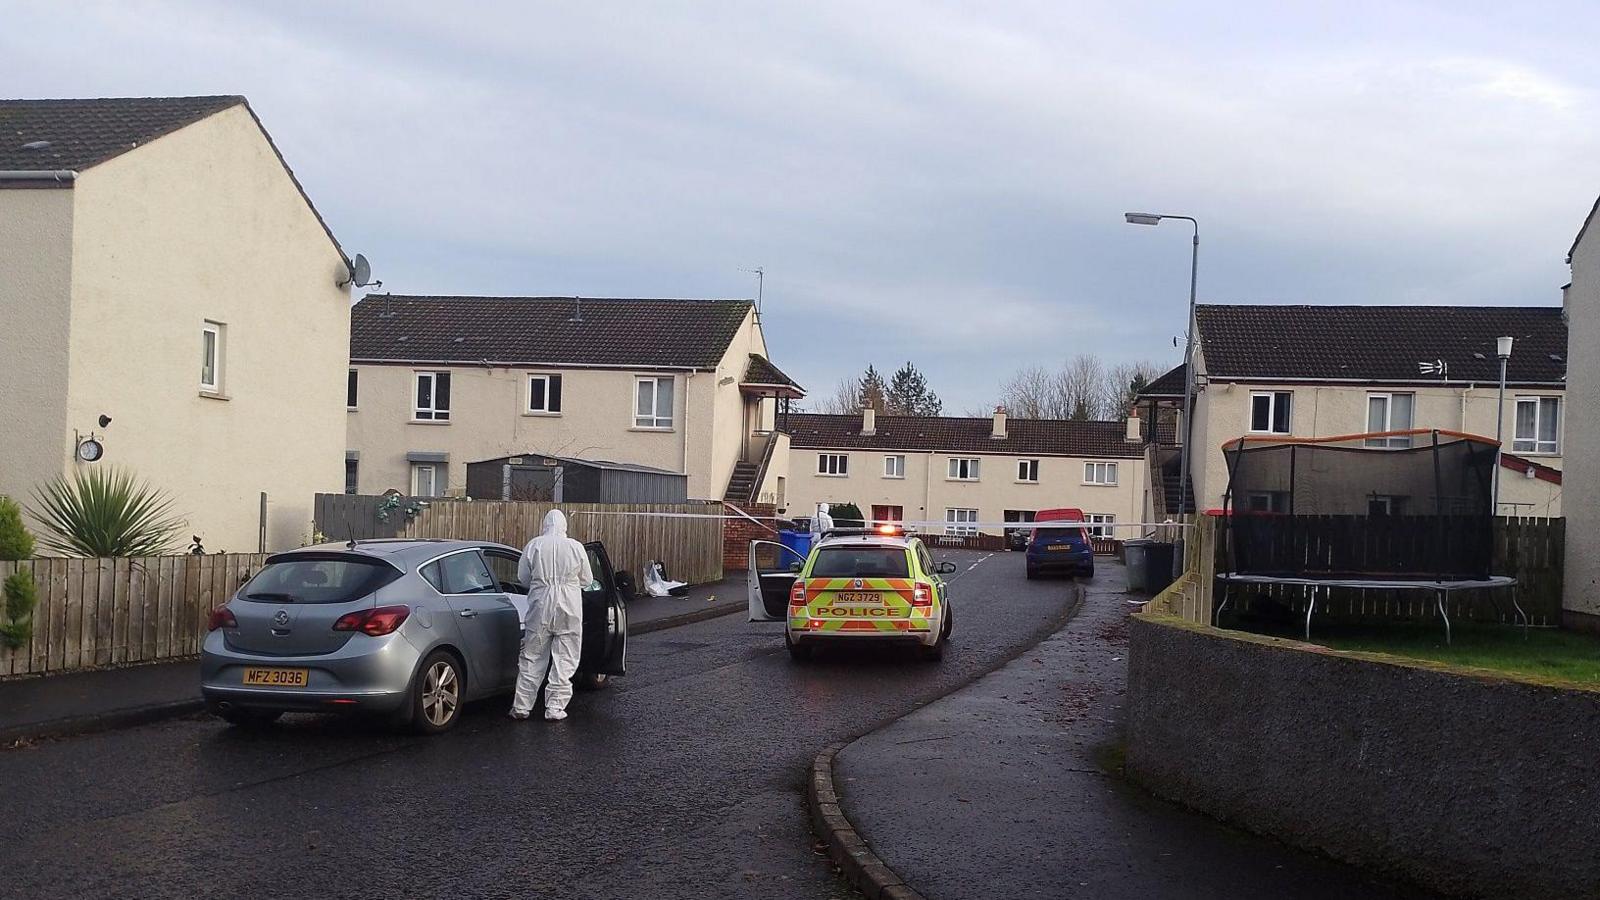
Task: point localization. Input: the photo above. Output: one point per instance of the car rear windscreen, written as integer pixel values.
(1060, 535)
(860, 562)
(318, 580)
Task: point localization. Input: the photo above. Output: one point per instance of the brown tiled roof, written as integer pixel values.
(948, 434)
(85, 133)
(555, 331)
(1168, 385)
(1381, 343)
(761, 371)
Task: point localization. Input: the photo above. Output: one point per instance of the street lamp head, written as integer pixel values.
(1142, 218)
(1503, 347)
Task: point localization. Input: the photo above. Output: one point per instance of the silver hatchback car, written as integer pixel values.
(411, 629)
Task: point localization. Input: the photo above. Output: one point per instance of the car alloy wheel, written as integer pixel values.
(438, 698)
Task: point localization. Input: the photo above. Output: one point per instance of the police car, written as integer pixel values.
(876, 584)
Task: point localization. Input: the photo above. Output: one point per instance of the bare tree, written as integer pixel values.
(1081, 385)
(845, 399)
(1032, 394)
(1123, 382)
(1083, 388)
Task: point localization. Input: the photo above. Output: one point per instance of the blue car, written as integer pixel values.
(1064, 550)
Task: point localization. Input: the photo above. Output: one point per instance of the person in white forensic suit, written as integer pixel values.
(556, 570)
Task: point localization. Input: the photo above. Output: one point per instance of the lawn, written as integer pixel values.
(1545, 653)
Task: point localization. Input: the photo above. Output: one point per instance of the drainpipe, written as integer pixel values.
(56, 175)
(687, 378)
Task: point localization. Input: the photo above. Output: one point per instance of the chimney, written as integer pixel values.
(1135, 434)
(999, 432)
(869, 421)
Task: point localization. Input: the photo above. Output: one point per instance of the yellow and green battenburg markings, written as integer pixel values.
(823, 604)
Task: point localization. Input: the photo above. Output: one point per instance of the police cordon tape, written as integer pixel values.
(899, 523)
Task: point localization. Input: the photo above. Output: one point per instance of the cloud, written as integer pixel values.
(922, 180)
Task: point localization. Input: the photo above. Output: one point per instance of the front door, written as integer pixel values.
(769, 578)
(605, 618)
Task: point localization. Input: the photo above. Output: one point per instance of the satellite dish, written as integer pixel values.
(360, 272)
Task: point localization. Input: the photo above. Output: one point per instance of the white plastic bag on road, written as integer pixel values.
(656, 583)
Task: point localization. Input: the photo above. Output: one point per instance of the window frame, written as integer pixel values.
(553, 384)
(653, 421)
(1273, 404)
(432, 414)
(1101, 520)
(955, 465)
(958, 525)
(842, 470)
(894, 465)
(352, 475)
(1537, 443)
(352, 390)
(1391, 443)
(215, 331)
(1026, 467)
(1091, 468)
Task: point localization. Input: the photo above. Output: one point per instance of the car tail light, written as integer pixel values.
(797, 594)
(376, 622)
(221, 617)
(922, 594)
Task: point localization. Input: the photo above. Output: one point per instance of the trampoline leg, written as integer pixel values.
(1443, 614)
(1311, 604)
(1522, 617)
(1216, 616)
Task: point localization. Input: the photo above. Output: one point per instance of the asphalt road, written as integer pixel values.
(684, 780)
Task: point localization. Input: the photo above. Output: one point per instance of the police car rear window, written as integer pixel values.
(860, 562)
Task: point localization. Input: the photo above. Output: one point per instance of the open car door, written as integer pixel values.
(605, 618)
(768, 579)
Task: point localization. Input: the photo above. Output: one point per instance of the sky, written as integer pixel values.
(936, 182)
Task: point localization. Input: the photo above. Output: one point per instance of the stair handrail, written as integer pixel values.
(761, 468)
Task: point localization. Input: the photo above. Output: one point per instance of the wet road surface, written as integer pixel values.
(683, 780)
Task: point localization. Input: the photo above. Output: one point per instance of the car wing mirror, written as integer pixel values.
(795, 568)
(945, 568)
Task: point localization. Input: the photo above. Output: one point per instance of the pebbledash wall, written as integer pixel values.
(1477, 784)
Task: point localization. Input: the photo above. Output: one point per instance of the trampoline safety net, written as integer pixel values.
(1397, 505)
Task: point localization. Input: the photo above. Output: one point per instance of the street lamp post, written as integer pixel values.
(1188, 355)
(1502, 350)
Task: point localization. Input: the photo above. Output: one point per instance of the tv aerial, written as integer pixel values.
(360, 273)
(1434, 367)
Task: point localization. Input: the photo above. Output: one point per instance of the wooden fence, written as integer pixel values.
(690, 548)
(344, 517)
(94, 613)
(1528, 549)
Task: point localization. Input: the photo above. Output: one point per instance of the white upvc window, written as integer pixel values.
(957, 521)
(427, 479)
(1389, 412)
(963, 468)
(544, 395)
(432, 397)
(1102, 473)
(1269, 411)
(212, 354)
(1100, 525)
(1028, 470)
(894, 466)
(836, 465)
(1538, 427)
(652, 406)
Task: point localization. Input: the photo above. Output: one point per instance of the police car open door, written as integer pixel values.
(768, 579)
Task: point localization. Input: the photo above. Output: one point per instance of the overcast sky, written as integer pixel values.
(938, 182)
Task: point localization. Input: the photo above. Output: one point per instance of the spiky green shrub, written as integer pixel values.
(21, 596)
(15, 541)
(104, 512)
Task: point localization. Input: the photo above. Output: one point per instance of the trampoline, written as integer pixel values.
(1395, 510)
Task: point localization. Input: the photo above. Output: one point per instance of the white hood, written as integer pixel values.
(555, 524)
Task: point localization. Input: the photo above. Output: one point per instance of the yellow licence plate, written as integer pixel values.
(277, 677)
(857, 597)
